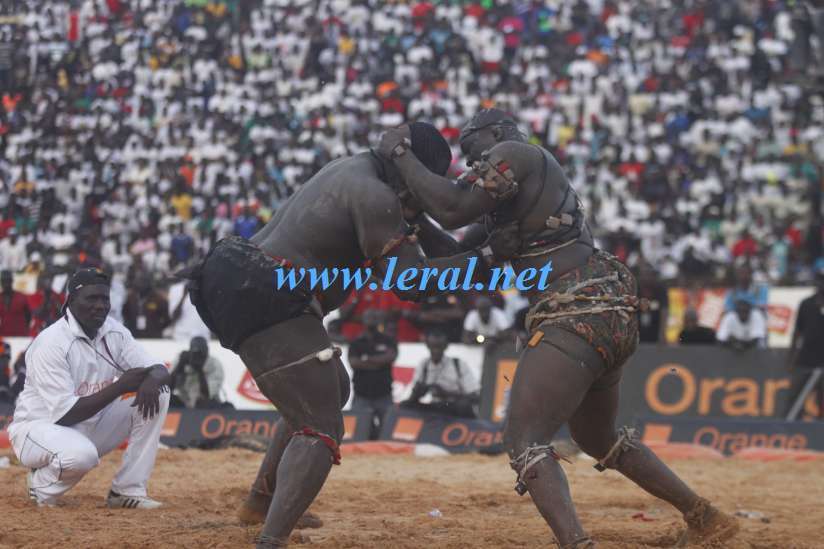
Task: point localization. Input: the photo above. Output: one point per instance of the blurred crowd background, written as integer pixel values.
(134, 135)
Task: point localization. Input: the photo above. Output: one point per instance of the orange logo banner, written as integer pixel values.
(407, 429)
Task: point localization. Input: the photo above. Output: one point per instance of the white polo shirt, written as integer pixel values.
(63, 365)
(755, 328)
(497, 322)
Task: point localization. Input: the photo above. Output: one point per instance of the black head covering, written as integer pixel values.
(485, 118)
(430, 147)
(82, 278)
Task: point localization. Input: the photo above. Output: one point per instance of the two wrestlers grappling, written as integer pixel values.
(364, 209)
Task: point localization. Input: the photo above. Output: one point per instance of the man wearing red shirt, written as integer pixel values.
(400, 312)
(5, 224)
(351, 311)
(15, 314)
(365, 299)
(44, 305)
(746, 246)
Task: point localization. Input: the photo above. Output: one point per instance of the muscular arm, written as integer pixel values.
(412, 276)
(455, 204)
(88, 406)
(383, 237)
(437, 243)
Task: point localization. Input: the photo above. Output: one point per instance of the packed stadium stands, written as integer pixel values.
(136, 134)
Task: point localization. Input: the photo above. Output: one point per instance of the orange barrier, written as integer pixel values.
(376, 447)
(778, 454)
(683, 450)
(4, 440)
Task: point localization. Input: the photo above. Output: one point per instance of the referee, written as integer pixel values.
(89, 386)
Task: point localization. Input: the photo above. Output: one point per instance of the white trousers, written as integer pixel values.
(62, 456)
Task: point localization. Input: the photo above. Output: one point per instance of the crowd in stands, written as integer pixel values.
(133, 135)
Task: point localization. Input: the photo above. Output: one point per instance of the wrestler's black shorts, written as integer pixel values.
(235, 292)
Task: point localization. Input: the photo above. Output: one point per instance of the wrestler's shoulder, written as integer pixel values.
(518, 154)
(356, 170)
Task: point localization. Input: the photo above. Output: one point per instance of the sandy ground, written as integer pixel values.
(384, 502)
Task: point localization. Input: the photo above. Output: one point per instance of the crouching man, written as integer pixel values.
(90, 386)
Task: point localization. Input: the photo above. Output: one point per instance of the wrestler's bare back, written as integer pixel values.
(323, 224)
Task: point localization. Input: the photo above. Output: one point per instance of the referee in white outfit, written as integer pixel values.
(89, 386)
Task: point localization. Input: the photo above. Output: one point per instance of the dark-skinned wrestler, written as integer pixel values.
(348, 215)
(582, 328)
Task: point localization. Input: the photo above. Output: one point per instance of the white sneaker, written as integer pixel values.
(33, 495)
(29, 480)
(116, 501)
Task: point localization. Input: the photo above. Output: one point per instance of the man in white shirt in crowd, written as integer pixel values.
(743, 328)
(89, 386)
(13, 256)
(444, 384)
(186, 322)
(484, 323)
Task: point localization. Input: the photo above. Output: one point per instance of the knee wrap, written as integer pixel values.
(527, 460)
(326, 439)
(627, 440)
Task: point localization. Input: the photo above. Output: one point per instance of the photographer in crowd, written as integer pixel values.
(197, 378)
(444, 384)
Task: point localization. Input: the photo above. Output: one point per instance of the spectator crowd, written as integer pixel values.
(136, 134)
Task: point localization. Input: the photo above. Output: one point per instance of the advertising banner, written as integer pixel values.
(185, 427)
(191, 427)
(240, 389)
(687, 381)
(456, 435)
(731, 436)
(782, 308)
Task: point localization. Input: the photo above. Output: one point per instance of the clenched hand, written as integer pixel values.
(505, 241)
(391, 139)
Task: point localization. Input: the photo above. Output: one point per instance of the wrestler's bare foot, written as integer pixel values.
(253, 511)
(707, 525)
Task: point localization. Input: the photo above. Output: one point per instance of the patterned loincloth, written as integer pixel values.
(599, 302)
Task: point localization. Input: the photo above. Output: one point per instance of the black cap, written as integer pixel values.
(87, 277)
(82, 278)
(430, 147)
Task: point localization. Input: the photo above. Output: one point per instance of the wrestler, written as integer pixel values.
(348, 215)
(583, 328)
